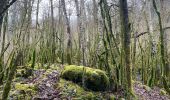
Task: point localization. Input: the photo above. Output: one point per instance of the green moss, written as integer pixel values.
(163, 92)
(36, 66)
(24, 72)
(109, 96)
(112, 97)
(25, 87)
(23, 91)
(55, 67)
(95, 79)
(136, 82)
(20, 67)
(76, 92)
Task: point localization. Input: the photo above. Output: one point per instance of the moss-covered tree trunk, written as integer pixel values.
(3, 49)
(53, 35)
(125, 30)
(78, 28)
(165, 72)
(13, 66)
(3, 20)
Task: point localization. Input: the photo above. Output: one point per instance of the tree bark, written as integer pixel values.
(3, 4)
(37, 13)
(69, 43)
(165, 71)
(13, 67)
(125, 30)
(52, 32)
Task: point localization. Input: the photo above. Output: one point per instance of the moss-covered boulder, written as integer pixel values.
(94, 79)
(76, 92)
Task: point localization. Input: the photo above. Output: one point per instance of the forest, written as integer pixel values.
(84, 50)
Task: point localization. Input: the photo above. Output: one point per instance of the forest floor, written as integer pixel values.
(146, 93)
(48, 88)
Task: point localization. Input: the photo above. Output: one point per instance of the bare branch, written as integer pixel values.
(143, 33)
(7, 6)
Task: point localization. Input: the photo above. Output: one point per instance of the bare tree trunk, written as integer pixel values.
(61, 29)
(3, 4)
(29, 20)
(100, 34)
(95, 16)
(78, 20)
(83, 37)
(149, 8)
(37, 13)
(52, 32)
(69, 43)
(81, 29)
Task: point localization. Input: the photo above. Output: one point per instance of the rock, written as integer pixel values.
(94, 79)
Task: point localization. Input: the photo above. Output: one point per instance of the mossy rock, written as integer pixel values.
(76, 92)
(94, 79)
(23, 91)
